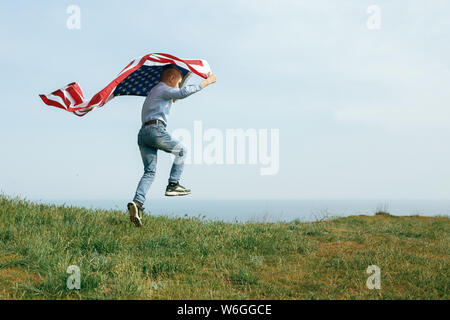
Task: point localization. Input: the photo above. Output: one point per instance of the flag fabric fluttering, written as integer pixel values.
(136, 79)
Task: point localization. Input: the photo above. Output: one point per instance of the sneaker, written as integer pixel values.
(175, 189)
(135, 209)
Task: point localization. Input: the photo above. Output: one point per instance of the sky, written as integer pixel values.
(360, 112)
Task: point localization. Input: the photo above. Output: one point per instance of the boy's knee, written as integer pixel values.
(150, 171)
(180, 151)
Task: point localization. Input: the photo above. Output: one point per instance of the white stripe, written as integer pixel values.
(69, 97)
(57, 99)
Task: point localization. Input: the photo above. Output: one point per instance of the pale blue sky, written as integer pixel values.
(361, 113)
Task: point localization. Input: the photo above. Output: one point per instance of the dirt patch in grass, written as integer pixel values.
(11, 277)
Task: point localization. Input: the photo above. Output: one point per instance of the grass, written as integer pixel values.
(193, 258)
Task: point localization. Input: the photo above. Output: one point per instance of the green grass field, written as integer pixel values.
(193, 258)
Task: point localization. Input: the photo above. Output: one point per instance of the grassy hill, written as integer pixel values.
(192, 258)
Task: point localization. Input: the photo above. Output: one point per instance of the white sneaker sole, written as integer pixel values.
(176, 193)
(134, 215)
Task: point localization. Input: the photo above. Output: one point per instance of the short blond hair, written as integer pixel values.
(169, 71)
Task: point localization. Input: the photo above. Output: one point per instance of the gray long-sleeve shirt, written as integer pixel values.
(159, 100)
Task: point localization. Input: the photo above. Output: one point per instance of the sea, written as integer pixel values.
(268, 210)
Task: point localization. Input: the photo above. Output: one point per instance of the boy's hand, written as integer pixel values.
(210, 80)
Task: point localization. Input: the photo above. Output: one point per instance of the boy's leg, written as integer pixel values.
(149, 158)
(178, 163)
(136, 208)
(166, 143)
(174, 188)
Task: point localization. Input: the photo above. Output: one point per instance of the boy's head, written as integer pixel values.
(171, 76)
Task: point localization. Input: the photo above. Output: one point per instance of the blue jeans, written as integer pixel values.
(150, 139)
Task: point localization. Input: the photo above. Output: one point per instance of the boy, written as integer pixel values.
(153, 136)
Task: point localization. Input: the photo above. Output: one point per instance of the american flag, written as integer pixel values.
(136, 79)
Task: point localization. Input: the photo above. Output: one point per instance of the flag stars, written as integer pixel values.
(139, 82)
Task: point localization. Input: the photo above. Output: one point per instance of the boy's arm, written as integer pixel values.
(173, 93)
(186, 91)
